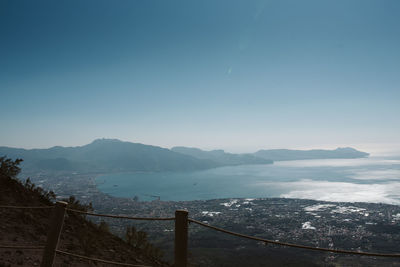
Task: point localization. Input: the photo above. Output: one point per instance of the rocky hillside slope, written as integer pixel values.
(80, 236)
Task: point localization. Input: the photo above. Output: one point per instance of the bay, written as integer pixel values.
(375, 179)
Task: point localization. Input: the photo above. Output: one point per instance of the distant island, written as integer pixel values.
(287, 154)
(112, 155)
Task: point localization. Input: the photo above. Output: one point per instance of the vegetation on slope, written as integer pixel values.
(79, 236)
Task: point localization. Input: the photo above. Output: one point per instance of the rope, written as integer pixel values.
(190, 220)
(28, 207)
(124, 217)
(295, 245)
(21, 247)
(98, 260)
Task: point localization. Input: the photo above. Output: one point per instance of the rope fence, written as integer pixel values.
(181, 237)
(123, 217)
(294, 245)
(55, 231)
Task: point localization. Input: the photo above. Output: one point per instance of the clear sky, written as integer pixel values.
(238, 75)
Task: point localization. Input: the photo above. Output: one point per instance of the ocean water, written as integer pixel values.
(374, 179)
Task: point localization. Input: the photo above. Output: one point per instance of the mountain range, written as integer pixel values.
(112, 155)
(287, 154)
(221, 157)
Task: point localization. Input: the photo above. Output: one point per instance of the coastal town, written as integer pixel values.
(367, 227)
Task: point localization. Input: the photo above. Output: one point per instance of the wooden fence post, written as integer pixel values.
(181, 238)
(54, 234)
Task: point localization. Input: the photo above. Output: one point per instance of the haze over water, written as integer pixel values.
(374, 179)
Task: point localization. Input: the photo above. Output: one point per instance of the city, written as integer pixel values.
(367, 227)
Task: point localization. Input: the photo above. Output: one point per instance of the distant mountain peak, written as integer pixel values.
(107, 155)
(106, 141)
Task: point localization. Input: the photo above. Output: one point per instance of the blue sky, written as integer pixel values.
(238, 75)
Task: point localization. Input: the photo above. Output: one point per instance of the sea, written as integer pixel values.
(372, 179)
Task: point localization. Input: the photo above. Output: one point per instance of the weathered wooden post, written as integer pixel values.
(54, 234)
(181, 238)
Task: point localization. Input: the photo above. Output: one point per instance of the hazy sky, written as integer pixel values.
(238, 75)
